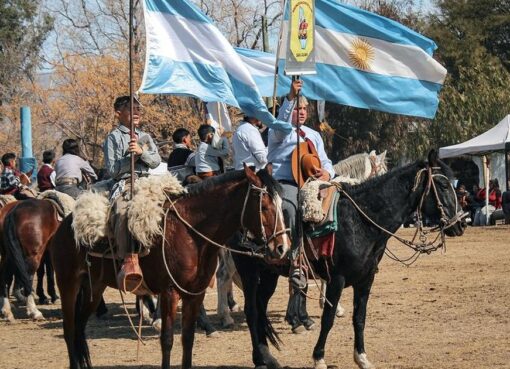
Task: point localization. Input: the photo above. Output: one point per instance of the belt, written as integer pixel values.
(67, 181)
(207, 174)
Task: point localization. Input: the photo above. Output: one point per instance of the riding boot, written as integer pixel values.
(130, 276)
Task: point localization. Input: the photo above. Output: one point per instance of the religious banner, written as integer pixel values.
(300, 55)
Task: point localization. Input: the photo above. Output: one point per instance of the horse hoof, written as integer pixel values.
(320, 364)
(213, 334)
(157, 325)
(227, 323)
(37, 316)
(362, 361)
(299, 329)
(235, 309)
(340, 311)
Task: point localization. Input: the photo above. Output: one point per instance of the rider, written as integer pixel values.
(10, 183)
(248, 145)
(280, 148)
(182, 153)
(208, 159)
(47, 175)
(118, 147)
(70, 169)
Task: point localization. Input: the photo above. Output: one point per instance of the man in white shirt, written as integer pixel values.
(248, 145)
(207, 158)
(280, 147)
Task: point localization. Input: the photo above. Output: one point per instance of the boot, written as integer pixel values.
(130, 276)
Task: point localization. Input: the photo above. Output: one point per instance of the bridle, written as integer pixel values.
(444, 222)
(423, 246)
(375, 168)
(261, 192)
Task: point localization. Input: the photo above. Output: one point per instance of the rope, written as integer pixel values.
(168, 269)
(245, 253)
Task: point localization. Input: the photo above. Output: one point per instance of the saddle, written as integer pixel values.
(321, 231)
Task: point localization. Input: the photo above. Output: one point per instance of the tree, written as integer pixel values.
(22, 32)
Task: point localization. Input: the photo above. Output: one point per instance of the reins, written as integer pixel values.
(261, 191)
(423, 246)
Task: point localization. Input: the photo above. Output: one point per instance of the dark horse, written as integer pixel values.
(25, 229)
(359, 246)
(181, 265)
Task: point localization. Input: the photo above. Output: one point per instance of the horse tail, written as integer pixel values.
(15, 253)
(269, 331)
(81, 348)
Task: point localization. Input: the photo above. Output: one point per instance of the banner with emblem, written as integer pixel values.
(362, 60)
(301, 38)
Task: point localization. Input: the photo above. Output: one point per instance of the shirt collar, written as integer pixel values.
(48, 165)
(125, 129)
(180, 146)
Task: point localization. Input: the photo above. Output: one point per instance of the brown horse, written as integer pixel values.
(181, 264)
(25, 229)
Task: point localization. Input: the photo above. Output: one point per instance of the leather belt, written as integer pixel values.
(67, 181)
(207, 174)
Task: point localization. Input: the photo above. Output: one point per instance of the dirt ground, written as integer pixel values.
(446, 311)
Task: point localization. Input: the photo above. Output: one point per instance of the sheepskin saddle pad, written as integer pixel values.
(62, 201)
(145, 211)
(317, 198)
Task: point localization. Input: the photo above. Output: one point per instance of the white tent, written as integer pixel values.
(492, 140)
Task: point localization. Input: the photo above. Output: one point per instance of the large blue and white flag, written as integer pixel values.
(363, 60)
(187, 55)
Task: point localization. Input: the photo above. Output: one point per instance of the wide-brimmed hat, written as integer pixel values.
(309, 161)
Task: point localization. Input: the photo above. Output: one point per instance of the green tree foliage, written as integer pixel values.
(23, 29)
(474, 48)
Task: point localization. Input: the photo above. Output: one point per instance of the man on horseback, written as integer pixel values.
(248, 145)
(10, 183)
(280, 148)
(118, 147)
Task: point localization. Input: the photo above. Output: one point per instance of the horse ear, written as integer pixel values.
(433, 158)
(372, 153)
(252, 177)
(269, 168)
(382, 156)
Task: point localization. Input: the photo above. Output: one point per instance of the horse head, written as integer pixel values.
(439, 200)
(264, 201)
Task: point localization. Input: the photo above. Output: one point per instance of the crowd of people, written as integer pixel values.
(474, 203)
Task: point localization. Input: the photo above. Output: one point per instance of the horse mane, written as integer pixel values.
(353, 166)
(273, 187)
(374, 183)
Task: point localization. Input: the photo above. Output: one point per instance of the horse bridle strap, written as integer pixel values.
(204, 237)
(261, 191)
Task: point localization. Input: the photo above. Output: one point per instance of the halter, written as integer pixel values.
(423, 246)
(262, 191)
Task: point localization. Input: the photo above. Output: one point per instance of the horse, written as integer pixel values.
(182, 260)
(353, 170)
(377, 210)
(25, 229)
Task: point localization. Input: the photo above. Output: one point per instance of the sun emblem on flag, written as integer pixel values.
(361, 54)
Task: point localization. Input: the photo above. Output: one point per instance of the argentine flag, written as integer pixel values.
(187, 55)
(363, 60)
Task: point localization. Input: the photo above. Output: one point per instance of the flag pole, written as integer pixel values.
(131, 97)
(276, 71)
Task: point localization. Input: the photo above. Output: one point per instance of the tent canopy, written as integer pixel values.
(492, 140)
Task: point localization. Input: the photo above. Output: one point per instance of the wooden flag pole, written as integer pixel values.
(276, 71)
(131, 97)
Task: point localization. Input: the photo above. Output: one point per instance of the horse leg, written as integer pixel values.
(361, 294)
(32, 310)
(5, 306)
(86, 304)
(168, 301)
(224, 281)
(266, 288)
(340, 311)
(69, 292)
(204, 323)
(190, 311)
(333, 292)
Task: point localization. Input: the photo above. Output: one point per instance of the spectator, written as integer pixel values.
(46, 175)
(505, 200)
